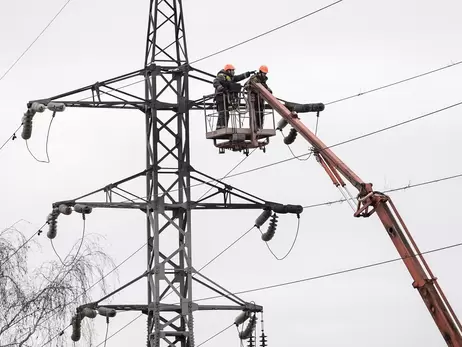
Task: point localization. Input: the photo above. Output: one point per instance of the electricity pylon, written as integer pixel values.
(168, 175)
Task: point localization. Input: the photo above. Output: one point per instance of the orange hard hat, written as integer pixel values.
(264, 68)
(229, 67)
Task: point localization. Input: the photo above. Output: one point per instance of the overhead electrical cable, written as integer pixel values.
(351, 139)
(267, 32)
(406, 187)
(38, 232)
(217, 334)
(11, 138)
(394, 83)
(218, 255)
(335, 273)
(393, 126)
(35, 40)
(57, 335)
(118, 331)
(227, 174)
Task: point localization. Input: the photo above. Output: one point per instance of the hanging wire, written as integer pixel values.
(291, 247)
(57, 254)
(46, 144)
(107, 331)
(298, 157)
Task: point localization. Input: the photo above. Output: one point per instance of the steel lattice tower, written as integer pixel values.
(170, 155)
(166, 201)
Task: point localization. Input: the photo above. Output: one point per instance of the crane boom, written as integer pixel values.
(370, 202)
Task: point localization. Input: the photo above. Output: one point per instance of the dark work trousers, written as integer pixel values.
(259, 107)
(223, 113)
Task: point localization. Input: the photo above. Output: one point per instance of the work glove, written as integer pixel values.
(250, 73)
(226, 84)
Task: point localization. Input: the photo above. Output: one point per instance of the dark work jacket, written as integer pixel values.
(260, 78)
(222, 77)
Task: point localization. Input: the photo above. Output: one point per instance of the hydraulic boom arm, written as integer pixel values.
(370, 201)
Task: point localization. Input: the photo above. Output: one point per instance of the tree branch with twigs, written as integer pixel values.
(37, 304)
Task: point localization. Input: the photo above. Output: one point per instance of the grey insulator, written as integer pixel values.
(64, 209)
(262, 218)
(56, 106)
(247, 332)
(243, 316)
(52, 220)
(51, 233)
(282, 124)
(26, 126)
(89, 313)
(289, 139)
(107, 312)
(76, 327)
(38, 107)
(303, 108)
(271, 229)
(84, 209)
(279, 208)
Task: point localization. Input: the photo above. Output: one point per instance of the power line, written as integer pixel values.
(219, 254)
(218, 333)
(137, 317)
(118, 331)
(38, 232)
(349, 140)
(223, 251)
(35, 40)
(394, 83)
(267, 32)
(227, 174)
(408, 186)
(335, 273)
(57, 335)
(394, 126)
(12, 137)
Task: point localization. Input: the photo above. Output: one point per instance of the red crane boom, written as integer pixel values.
(369, 202)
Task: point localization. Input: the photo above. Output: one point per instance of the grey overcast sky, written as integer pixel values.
(347, 49)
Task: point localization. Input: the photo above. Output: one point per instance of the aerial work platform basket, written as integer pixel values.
(239, 120)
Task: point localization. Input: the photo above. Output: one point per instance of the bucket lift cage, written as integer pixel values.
(239, 120)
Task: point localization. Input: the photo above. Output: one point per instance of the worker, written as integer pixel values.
(224, 83)
(257, 101)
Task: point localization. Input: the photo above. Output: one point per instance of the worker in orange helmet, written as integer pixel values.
(258, 103)
(224, 82)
